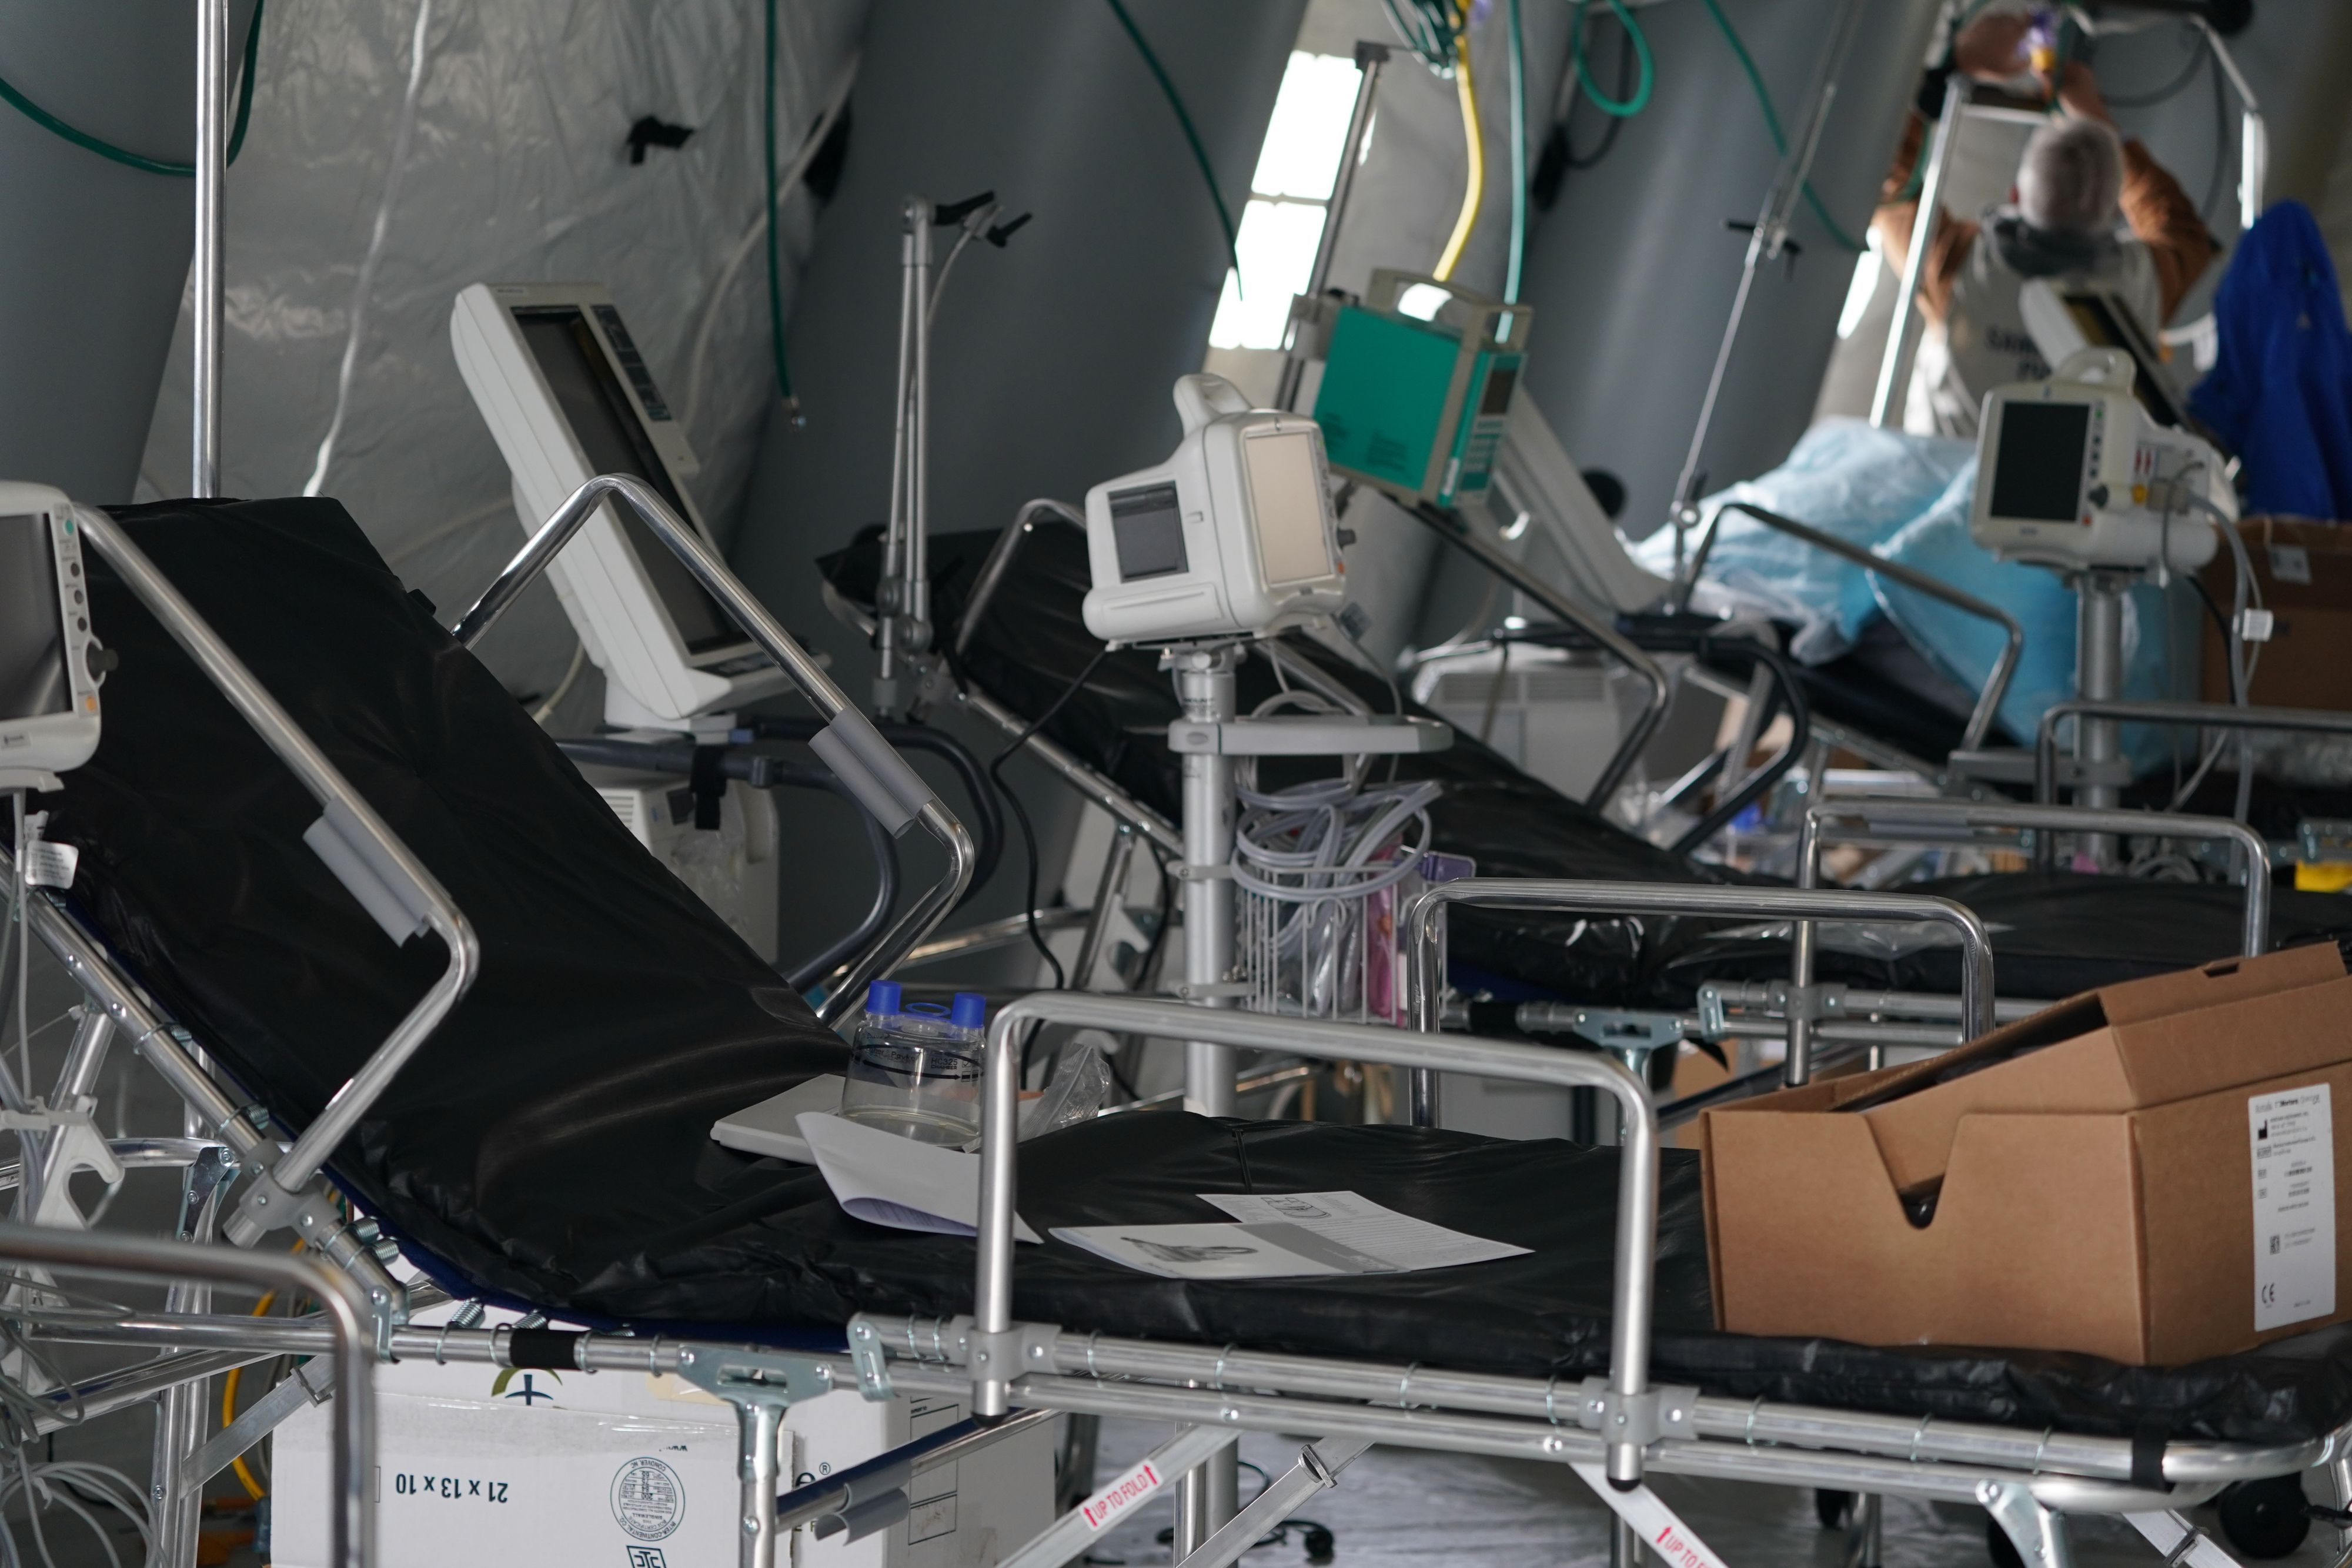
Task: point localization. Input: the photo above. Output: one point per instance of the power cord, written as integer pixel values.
(1021, 813)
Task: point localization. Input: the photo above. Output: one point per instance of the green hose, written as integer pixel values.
(1773, 124)
(1649, 77)
(108, 149)
(1193, 137)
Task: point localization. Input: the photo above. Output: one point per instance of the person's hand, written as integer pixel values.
(2079, 95)
(1992, 46)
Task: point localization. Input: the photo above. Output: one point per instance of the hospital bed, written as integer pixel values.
(542, 1142)
(1018, 645)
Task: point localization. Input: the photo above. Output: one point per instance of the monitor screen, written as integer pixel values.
(1146, 528)
(1286, 486)
(32, 642)
(2100, 329)
(2038, 472)
(610, 437)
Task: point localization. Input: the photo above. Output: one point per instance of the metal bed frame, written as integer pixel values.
(1615, 1430)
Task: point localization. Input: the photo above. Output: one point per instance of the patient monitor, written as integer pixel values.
(49, 662)
(2072, 474)
(567, 397)
(1233, 536)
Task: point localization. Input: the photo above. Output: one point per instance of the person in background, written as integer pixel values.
(2076, 175)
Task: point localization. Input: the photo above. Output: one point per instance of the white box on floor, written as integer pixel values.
(474, 1465)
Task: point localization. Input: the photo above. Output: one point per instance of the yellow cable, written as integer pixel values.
(1476, 187)
(228, 1406)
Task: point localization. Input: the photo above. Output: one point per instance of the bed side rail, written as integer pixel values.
(1996, 686)
(364, 854)
(873, 770)
(2203, 715)
(1423, 926)
(343, 1313)
(997, 1356)
(1882, 822)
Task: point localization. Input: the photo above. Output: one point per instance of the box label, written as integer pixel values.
(2293, 1136)
(1137, 1486)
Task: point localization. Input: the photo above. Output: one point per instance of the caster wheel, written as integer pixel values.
(2264, 1518)
(2000, 1548)
(1833, 1508)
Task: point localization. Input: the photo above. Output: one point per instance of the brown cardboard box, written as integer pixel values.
(2305, 572)
(2146, 1042)
(2098, 1194)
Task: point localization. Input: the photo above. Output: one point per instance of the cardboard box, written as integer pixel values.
(2152, 1181)
(2305, 572)
(627, 1470)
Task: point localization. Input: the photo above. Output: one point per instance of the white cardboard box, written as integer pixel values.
(624, 1470)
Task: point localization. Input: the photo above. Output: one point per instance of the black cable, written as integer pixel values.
(2220, 624)
(1021, 814)
(2173, 88)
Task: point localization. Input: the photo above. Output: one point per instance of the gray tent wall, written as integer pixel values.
(1052, 360)
(95, 253)
(1632, 271)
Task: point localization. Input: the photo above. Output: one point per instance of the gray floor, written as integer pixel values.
(1399, 1506)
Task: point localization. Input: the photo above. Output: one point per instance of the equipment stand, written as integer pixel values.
(1204, 682)
(2099, 676)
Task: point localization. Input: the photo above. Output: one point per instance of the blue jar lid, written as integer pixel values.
(882, 999)
(971, 1010)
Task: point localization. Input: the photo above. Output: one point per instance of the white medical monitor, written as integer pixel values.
(2072, 475)
(1233, 536)
(567, 397)
(2065, 317)
(48, 693)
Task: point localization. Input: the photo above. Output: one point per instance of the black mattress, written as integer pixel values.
(2053, 936)
(549, 1146)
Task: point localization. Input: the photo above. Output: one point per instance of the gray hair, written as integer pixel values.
(2071, 177)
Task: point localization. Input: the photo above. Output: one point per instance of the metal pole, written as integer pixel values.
(759, 1463)
(1204, 681)
(1370, 60)
(1771, 236)
(212, 165)
(2098, 677)
(1797, 1067)
(915, 599)
(1923, 234)
(891, 604)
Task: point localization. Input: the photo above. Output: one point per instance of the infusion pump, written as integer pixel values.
(2072, 474)
(51, 663)
(1233, 536)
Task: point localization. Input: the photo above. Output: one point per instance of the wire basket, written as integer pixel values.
(1320, 872)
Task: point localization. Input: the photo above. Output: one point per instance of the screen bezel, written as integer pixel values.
(728, 642)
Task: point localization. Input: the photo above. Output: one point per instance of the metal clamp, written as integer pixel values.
(872, 1362)
(745, 1376)
(1023, 1348)
(1643, 1418)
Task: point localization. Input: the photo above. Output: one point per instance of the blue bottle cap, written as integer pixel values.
(882, 999)
(971, 1010)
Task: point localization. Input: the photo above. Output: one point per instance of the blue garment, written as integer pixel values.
(2280, 392)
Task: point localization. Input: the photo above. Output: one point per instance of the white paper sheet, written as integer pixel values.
(1287, 1236)
(885, 1179)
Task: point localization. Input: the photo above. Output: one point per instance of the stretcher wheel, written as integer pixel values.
(2264, 1518)
(1832, 1508)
